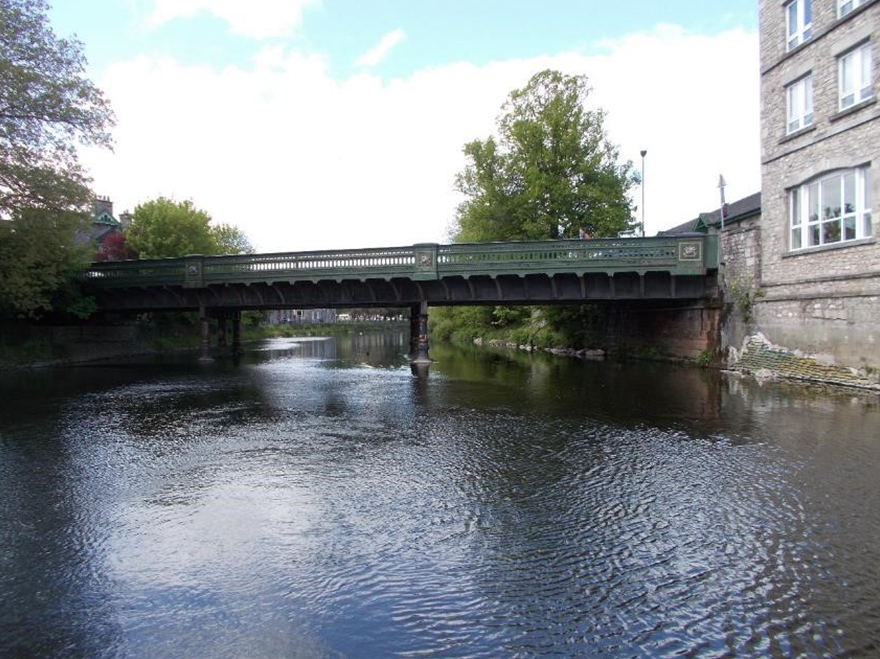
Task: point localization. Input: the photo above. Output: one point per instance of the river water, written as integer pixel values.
(320, 500)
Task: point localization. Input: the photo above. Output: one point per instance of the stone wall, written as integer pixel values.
(740, 280)
(35, 345)
(680, 331)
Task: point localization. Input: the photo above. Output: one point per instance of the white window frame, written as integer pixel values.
(846, 6)
(861, 61)
(798, 31)
(854, 220)
(799, 105)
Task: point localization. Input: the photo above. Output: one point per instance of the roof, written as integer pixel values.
(735, 212)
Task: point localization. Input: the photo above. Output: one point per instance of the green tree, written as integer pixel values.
(164, 228)
(39, 261)
(47, 107)
(231, 240)
(550, 171)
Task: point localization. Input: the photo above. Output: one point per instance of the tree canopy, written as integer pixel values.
(550, 172)
(47, 107)
(164, 228)
(39, 259)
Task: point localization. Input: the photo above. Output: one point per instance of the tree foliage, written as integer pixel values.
(550, 172)
(164, 228)
(47, 107)
(114, 248)
(231, 240)
(39, 260)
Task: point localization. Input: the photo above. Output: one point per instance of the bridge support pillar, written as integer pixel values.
(413, 332)
(236, 333)
(421, 354)
(221, 329)
(205, 335)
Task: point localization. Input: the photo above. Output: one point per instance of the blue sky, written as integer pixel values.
(260, 111)
(436, 32)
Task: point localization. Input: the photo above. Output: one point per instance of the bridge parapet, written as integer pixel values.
(689, 254)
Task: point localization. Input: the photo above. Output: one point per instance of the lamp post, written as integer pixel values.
(644, 153)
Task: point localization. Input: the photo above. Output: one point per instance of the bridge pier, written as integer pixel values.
(421, 352)
(236, 333)
(221, 329)
(205, 335)
(413, 332)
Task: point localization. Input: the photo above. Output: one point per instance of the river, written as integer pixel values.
(319, 499)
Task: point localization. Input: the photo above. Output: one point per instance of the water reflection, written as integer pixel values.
(320, 498)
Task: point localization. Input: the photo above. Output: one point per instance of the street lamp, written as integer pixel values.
(644, 153)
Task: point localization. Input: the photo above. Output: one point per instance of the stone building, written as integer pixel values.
(103, 224)
(820, 176)
(801, 260)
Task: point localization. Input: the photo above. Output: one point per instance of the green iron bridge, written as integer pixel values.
(681, 267)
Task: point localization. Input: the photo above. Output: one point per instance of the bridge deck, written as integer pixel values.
(488, 273)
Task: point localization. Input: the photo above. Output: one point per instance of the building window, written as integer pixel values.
(799, 22)
(799, 103)
(854, 75)
(846, 6)
(835, 208)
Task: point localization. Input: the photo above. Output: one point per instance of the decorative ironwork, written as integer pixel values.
(678, 256)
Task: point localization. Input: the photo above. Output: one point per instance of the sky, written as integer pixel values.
(322, 124)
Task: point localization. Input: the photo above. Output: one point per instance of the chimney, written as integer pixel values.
(103, 204)
(125, 219)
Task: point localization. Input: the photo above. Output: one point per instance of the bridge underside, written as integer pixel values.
(402, 292)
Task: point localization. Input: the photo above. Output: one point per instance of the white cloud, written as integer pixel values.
(260, 19)
(300, 160)
(378, 52)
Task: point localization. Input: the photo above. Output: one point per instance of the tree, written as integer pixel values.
(550, 172)
(47, 107)
(163, 228)
(231, 240)
(39, 261)
(114, 248)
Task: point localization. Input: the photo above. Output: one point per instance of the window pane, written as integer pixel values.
(808, 13)
(796, 238)
(865, 82)
(849, 193)
(845, 7)
(866, 173)
(847, 66)
(831, 198)
(792, 19)
(849, 228)
(813, 194)
(813, 235)
(831, 232)
(795, 209)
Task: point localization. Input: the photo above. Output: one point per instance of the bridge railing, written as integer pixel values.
(681, 255)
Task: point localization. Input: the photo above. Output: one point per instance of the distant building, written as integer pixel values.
(103, 224)
(301, 317)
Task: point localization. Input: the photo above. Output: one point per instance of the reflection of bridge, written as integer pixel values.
(548, 272)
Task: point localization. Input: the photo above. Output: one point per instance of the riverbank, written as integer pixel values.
(45, 346)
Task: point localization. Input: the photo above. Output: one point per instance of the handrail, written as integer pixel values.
(684, 254)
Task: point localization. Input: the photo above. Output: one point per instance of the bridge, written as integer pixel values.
(681, 267)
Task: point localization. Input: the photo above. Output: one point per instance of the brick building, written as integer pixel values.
(820, 177)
